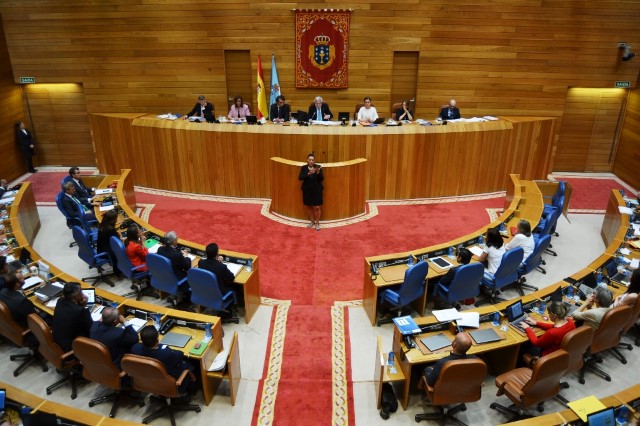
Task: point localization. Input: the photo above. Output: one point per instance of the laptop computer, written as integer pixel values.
(252, 119)
(343, 116)
(515, 314)
(485, 335)
(433, 343)
(587, 286)
(379, 120)
(175, 339)
(91, 296)
(604, 417)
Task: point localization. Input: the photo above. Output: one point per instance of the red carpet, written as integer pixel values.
(46, 185)
(592, 193)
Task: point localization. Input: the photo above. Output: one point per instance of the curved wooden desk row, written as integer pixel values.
(247, 282)
(410, 161)
(523, 201)
(23, 216)
(502, 356)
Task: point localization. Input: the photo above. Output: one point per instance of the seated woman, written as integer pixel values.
(552, 338)
(523, 239)
(367, 113)
(404, 113)
(134, 247)
(629, 297)
(492, 251)
(239, 109)
(106, 230)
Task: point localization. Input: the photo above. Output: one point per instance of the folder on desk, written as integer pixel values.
(234, 268)
(585, 406)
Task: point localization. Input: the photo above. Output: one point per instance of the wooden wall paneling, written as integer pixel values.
(627, 159)
(240, 80)
(404, 79)
(603, 137)
(13, 164)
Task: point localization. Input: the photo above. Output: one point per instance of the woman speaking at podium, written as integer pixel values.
(312, 177)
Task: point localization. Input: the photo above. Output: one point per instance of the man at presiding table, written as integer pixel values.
(279, 111)
(451, 112)
(319, 110)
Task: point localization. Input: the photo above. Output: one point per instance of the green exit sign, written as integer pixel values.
(27, 80)
(626, 84)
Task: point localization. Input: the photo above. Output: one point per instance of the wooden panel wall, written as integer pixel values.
(60, 124)
(240, 81)
(404, 79)
(627, 161)
(588, 130)
(12, 164)
(505, 57)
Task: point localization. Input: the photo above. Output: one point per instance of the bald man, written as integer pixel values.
(451, 112)
(460, 346)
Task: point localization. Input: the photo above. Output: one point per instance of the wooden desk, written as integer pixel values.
(344, 188)
(526, 203)
(410, 161)
(247, 282)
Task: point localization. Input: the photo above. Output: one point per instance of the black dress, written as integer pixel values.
(311, 186)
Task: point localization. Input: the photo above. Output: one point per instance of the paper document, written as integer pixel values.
(326, 123)
(106, 208)
(469, 319)
(220, 361)
(191, 257)
(635, 263)
(625, 210)
(585, 406)
(630, 200)
(136, 323)
(104, 191)
(447, 314)
(625, 251)
(31, 281)
(475, 250)
(490, 118)
(234, 268)
(53, 302)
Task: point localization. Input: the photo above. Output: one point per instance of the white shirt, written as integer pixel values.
(367, 114)
(521, 240)
(494, 257)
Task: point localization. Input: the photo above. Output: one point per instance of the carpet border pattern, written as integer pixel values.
(274, 369)
(340, 395)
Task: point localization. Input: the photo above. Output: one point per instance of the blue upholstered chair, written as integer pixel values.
(206, 292)
(411, 289)
(557, 200)
(71, 221)
(506, 274)
(138, 278)
(547, 227)
(465, 284)
(532, 262)
(163, 278)
(87, 253)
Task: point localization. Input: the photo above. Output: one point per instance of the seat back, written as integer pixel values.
(466, 282)
(122, 261)
(507, 272)
(85, 250)
(551, 221)
(204, 289)
(149, 375)
(357, 110)
(64, 180)
(414, 280)
(608, 333)
(47, 348)
(576, 342)
(162, 276)
(96, 359)
(535, 258)
(557, 200)
(545, 378)
(9, 328)
(459, 381)
(634, 301)
(395, 108)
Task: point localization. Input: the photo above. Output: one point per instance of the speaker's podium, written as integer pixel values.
(344, 189)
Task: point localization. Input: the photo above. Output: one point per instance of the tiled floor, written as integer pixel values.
(579, 243)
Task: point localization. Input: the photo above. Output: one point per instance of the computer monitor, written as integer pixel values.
(302, 116)
(251, 119)
(604, 417)
(343, 116)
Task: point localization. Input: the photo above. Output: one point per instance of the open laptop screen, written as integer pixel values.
(514, 310)
(602, 418)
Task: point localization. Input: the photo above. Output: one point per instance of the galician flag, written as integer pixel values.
(275, 82)
(263, 108)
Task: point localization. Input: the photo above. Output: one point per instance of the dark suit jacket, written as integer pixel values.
(448, 277)
(70, 206)
(174, 361)
(82, 192)
(223, 274)
(117, 339)
(285, 112)
(25, 141)
(444, 114)
(180, 264)
(19, 306)
(70, 320)
(325, 110)
(209, 111)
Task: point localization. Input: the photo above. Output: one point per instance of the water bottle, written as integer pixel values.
(207, 333)
(622, 192)
(481, 239)
(249, 265)
(391, 359)
(451, 255)
(496, 319)
(599, 278)
(501, 228)
(630, 232)
(156, 320)
(570, 292)
(409, 260)
(543, 307)
(622, 415)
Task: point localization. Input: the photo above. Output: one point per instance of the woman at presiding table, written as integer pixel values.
(134, 247)
(367, 113)
(404, 113)
(239, 109)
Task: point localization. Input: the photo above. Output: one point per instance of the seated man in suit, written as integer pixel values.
(83, 193)
(70, 203)
(463, 258)
(460, 346)
(279, 111)
(118, 340)
(202, 108)
(593, 309)
(174, 361)
(451, 112)
(12, 296)
(319, 110)
(71, 318)
(213, 263)
(180, 263)
(4, 270)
